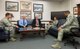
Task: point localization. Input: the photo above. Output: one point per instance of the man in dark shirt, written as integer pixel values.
(36, 22)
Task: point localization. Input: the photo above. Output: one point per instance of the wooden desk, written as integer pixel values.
(24, 31)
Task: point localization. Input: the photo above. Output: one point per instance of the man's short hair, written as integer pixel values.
(67, 12)
(7, 14)
(55, 16)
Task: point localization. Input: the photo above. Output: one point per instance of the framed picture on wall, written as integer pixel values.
(25, 13)
(38, 14)
(11, 6)
(75, 10)
(25, 5)
(38, 7)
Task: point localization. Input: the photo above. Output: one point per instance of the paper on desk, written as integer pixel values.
(36, 28)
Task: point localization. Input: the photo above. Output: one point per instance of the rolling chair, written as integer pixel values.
(74, 32)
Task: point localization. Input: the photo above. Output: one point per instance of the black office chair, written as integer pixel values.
(74, 32)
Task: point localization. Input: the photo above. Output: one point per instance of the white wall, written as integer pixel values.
(65, 5)
(73, 3)
(2, 10)
(48, 7)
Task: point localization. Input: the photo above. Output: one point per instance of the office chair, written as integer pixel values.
(74, 32)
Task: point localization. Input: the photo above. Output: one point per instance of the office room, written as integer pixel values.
(39, 24)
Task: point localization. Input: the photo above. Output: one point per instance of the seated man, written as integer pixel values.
(71, 22)
(22, 22)
(5, 22)
(36, 22)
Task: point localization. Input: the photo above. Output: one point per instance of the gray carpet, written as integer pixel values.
(33, 43)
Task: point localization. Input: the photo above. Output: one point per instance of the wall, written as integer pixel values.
(73, 3)
(65, 5)
(48, 7)
(2, 10)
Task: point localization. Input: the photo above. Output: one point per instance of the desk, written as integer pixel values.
(24, 31)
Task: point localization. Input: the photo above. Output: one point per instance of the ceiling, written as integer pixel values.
(49, 0)
(55, 0)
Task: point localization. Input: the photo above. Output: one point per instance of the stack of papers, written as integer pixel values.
(36, 28)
